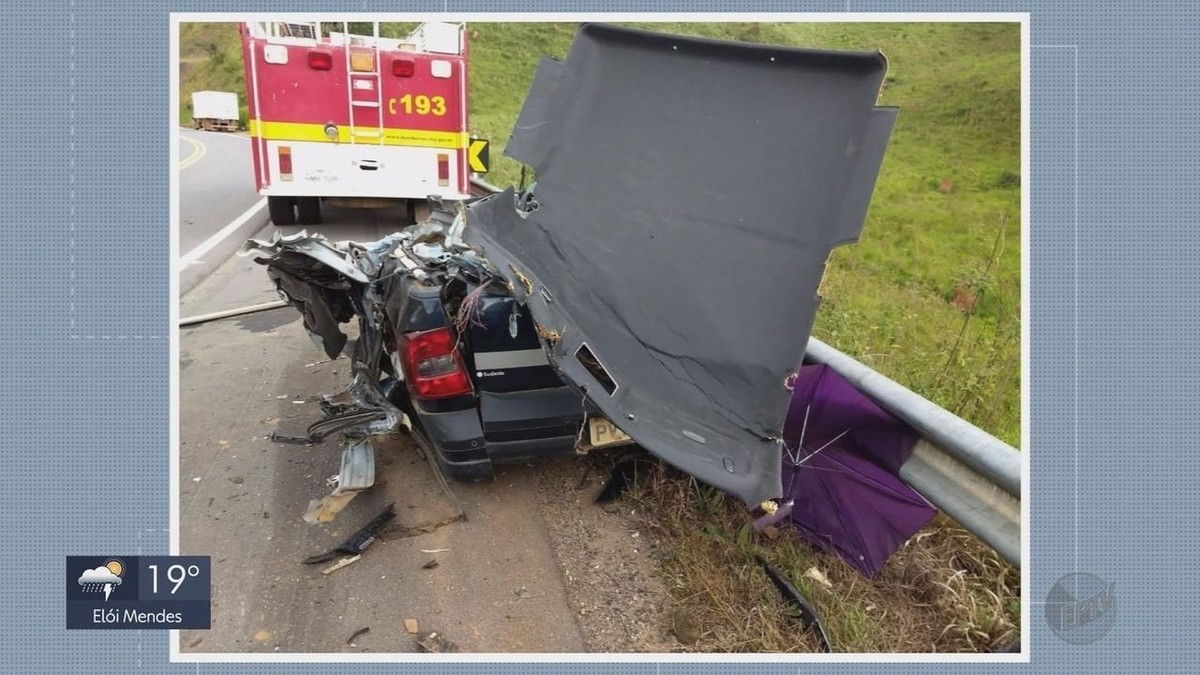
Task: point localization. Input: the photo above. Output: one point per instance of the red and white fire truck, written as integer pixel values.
(352, 119)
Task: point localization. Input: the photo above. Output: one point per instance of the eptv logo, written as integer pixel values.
(1081, 608)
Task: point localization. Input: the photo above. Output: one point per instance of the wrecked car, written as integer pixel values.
(444, 349)
(657, 284)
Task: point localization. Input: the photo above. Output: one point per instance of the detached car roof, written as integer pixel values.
(689, 193)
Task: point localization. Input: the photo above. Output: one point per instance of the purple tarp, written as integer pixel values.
(847, 497)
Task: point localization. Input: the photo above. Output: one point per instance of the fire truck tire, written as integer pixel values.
(281, 210)
(308, 210)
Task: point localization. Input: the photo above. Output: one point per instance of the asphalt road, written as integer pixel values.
(498, 585)
(216, 191)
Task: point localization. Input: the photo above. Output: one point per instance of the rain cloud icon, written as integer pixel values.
(103, 578)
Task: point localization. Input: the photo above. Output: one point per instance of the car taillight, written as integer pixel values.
(403, 67)
(320, 60)
(432, 364)
(285, 162)
(443, 169)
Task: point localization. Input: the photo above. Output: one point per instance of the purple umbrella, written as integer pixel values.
(840, 464)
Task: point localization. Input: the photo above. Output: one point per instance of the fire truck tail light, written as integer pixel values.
(285, 162)
(362, 62)
(443, 169)
(320, 60)
(403, 67)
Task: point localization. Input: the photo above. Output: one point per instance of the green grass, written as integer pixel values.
(210, 59)
(890, 300)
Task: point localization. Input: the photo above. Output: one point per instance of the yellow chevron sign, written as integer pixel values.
(477, 155)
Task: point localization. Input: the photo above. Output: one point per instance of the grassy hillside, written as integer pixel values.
(930, 296)
(210, 59)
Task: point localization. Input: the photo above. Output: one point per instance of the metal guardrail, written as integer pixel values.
(484, 187)
(972, 476)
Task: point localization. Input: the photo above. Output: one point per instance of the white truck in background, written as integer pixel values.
(215, 111)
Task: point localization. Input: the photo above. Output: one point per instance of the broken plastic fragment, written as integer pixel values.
(360, 541)
(805, 611)
(340, 564)
(431, 253)
(819, 577)
(357, 634)
(434, 643)
(328, 507)
(358, 466)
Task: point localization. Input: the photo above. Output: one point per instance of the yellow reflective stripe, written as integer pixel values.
(301, 131)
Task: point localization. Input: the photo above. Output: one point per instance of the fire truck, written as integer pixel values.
(351, 119)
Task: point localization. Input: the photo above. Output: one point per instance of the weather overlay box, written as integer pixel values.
(139, 592)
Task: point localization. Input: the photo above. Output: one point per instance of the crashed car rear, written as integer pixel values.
(661, 274)
(443, 351)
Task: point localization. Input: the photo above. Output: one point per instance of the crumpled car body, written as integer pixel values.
(443, 351)
(665, 266)
(689, 193)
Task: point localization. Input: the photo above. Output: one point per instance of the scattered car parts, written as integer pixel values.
(357, 474)
(357, 634)
(359, 541)
(804, 611)
(344, 562)
(434, 643)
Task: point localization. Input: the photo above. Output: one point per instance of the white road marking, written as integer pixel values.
(208, 244)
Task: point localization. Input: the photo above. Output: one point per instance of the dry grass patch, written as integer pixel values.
(944, 591)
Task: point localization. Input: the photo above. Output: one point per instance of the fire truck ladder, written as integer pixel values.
(361, 79)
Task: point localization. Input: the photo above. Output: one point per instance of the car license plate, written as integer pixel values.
(602, 432)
